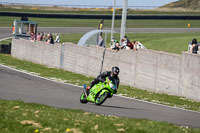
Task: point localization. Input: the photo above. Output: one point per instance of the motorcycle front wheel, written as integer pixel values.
(83, 98)
(101, 98)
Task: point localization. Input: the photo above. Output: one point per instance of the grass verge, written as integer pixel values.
(18, 117)
(58, 22)
(69, 77)
(63, 10)
(167, 42)
(6, 42)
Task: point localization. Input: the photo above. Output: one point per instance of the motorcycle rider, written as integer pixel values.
(113, 76)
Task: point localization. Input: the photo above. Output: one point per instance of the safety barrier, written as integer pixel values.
(89, 16)
(146, 69)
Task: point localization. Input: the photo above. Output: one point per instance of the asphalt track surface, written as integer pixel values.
(15, 85)
(6, 31)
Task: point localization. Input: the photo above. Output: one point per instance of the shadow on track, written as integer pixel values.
(118, 107)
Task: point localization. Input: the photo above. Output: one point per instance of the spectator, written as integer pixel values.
(130, 45)
(114, 44)
(43, 37)
(124, 44)
(13, 29)
(32, 36)
(57, 39)
(50, 39)
(101, 42)
(135, 45)
(126, 39)
(39, 37)
(194, 48)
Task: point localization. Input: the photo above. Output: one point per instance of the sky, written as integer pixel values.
(94, 2)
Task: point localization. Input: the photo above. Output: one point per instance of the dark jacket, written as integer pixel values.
(195, 48)
(102, 77)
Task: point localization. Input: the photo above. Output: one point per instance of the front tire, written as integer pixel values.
(101, 98)
(83, 98)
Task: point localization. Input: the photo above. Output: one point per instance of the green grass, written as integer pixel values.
(56, 22)
(69, 77)
(49, 22)
(6, 42)
(162, 98)
(73, 38)
(55, 9)
(18, 117)
(15, 115)
(45, 71)
(168, 42)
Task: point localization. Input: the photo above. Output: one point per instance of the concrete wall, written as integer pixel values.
(38, 52)
(145, 69)
(83, 60)
(190, 76)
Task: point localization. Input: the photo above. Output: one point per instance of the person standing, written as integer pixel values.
(101, 42)
(13, 29)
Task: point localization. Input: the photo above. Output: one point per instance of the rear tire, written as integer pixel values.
(83, 98)
(101, 98)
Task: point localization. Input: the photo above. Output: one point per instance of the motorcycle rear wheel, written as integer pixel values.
(101, 98)
(83, 98)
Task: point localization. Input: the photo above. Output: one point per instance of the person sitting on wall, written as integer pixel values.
(39, 37)
(135, 45)
(126, 39)
(32, 36)
(130, 45)
(57, 39)
(114, 44)
(124, 44)
(43, 37)
(194, 48)
(50, 39)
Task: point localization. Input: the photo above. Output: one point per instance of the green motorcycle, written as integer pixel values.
(99, 92)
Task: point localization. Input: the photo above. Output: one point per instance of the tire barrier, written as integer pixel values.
(5, 48)
(83, 16)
